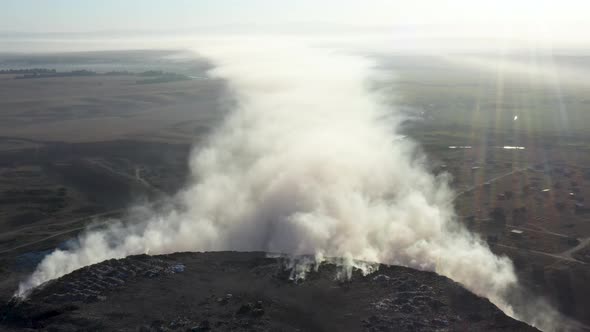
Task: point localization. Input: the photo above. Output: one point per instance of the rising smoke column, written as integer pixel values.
(308, 162)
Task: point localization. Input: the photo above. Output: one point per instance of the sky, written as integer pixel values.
(563, 21)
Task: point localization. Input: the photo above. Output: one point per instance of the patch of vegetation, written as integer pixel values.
(151, 76)
(163, 78)
(73, 73)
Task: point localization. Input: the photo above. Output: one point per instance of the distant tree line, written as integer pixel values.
(118, 73)
(149, 77)
(28, 71)
(152, 73)
(73, 73)
(161, 77)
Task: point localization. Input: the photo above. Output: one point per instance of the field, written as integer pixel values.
(549, 94)
(77, 150)
(518, 153)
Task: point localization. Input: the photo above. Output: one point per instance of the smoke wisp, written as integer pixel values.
(308, 162)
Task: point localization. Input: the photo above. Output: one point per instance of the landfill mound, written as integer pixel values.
(231, 291)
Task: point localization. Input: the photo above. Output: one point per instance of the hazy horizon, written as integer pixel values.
(64, 25)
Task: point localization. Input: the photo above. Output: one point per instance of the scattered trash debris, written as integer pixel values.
(178, 268)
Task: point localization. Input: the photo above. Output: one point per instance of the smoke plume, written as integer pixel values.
(308, 162)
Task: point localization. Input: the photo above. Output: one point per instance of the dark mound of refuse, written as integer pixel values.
(231, 291)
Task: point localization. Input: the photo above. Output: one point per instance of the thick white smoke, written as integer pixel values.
(308, 162)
